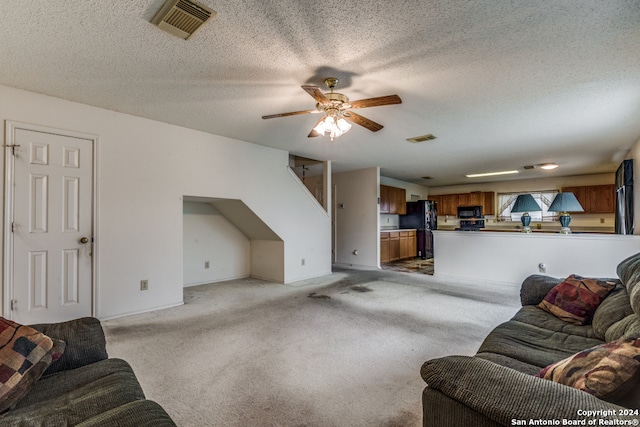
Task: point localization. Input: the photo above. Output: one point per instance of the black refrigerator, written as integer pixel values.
(423, 216)
(624, 198)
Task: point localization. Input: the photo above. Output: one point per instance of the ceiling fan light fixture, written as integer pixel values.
(333, 125)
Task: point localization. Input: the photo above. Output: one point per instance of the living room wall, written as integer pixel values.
(144, 167)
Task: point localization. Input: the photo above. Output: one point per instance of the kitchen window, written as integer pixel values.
(543, 198)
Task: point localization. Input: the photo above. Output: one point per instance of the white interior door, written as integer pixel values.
(51, 229)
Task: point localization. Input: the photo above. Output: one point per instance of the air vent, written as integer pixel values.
(427, 177)
(528, 167)
(421, 138)
(182, 18)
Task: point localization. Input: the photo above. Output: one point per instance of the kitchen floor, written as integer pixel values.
(413, 265)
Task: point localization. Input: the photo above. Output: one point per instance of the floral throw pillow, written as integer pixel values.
(609, 371)
(24, 355)
(576, 298)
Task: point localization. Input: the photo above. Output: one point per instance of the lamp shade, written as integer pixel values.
(525, 203)
(565, 202)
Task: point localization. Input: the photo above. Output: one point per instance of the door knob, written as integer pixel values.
(84, 240)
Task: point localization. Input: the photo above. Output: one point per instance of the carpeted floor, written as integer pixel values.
(341, 350)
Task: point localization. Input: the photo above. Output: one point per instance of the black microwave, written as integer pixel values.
(469, 212)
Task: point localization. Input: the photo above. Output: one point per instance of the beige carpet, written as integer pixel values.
(342, 350)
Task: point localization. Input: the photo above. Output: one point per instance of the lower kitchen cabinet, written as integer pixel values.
(396, 245)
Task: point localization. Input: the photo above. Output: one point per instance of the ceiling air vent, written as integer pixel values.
(182, 18)
(421, 138)
(529, 167)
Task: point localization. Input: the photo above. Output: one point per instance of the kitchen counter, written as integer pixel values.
(396, 229)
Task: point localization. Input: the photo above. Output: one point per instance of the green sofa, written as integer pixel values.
(498, 386)
(85, 387)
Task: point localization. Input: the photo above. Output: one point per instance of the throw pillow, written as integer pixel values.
(609, 371)
(576, 298)
(24, 355)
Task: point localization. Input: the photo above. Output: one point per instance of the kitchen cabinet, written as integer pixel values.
(594, 198)
(393, 200)
(448, 203)
(384, 247)
(408, 244)
(396, 245)
(384, 199)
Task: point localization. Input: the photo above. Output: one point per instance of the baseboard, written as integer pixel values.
(133, 313)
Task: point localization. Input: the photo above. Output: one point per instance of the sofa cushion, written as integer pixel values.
(609, 371)
(629, 327)
(24, 355)
(614, 308)
(85, 342)
(535, 316)
(71, 397)
(629, 273)
(576, 298)
(533, 344)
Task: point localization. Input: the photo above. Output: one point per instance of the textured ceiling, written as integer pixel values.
(502, 84)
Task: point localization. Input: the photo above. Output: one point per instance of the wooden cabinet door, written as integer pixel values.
(600, 198)
(384, 199)
(488, 203)
(449, 204)
(464, 200)
(476, 199)
(581, 194)
(401, 201)
(394, 246)
(384, 247)
(405, 251)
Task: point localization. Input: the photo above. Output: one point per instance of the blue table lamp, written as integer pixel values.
(564, 203)
(525, 203)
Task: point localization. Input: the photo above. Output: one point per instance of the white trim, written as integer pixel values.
(7, 274)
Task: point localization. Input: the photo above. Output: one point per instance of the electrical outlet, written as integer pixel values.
(144, 285)
(206, 264)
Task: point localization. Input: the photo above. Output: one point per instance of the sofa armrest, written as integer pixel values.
(535, 287)
(85, 342)
(503, 394)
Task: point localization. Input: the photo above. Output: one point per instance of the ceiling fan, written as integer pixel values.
(337, 110)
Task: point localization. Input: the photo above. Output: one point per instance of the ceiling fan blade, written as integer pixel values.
(292, 113)
(316, 93)
(362, 121)
(376, 102)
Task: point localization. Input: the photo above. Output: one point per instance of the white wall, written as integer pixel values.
(209, 236)
(357, 217)
(144, 169)
(412, 189)
(511, 257)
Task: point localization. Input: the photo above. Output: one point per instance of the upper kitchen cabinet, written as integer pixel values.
(393, 200)
(448, 203)
(595, 198)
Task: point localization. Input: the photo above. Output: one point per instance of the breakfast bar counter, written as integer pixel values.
(511, 257)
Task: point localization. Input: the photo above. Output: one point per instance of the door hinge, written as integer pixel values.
(13, 148)
(13, 227)
(14, 304)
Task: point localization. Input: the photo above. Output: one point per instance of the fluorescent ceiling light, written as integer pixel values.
(478, 175)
